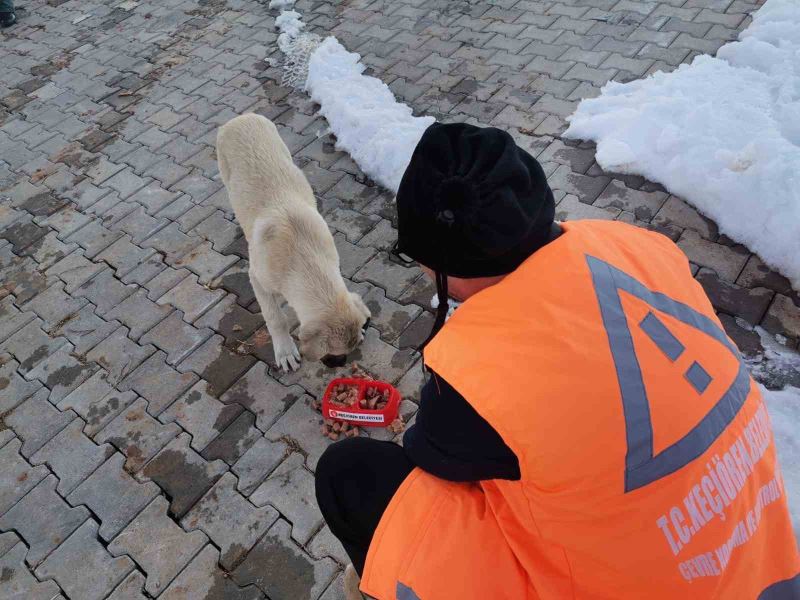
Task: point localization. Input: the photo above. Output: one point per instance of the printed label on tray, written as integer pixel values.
(351, 416)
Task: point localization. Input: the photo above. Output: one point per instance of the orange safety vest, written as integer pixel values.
(647, 461)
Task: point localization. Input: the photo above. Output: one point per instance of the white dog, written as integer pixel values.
(292, 254)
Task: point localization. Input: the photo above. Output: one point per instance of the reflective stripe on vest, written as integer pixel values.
(641, 465)
(405, 593)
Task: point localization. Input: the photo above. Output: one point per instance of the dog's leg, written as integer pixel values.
(287, 356)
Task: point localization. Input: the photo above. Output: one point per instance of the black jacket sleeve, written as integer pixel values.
(452, 441)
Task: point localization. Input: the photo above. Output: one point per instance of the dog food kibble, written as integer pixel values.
(356, 372)
(397, 426)
(344, 396)
(374, 398)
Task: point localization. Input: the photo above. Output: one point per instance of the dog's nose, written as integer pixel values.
(366, 325)
(334, 360)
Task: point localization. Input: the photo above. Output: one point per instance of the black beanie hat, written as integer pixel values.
(472, 203)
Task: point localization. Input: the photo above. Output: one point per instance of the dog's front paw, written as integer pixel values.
(287, 355)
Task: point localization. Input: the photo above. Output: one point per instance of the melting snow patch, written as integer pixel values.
(378, 132)
(723, 132)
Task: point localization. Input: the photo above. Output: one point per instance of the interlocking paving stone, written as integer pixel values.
(183, 474)
(300, 576)
(191, 298)
(230, 320)
(53, 305)
(62, 372)
(137, 435)
(138, 313)
(105, 291)
(72, 456)
(84, 329)
(124, 256)
(262, 395)
(204, 579)
(83, 567)
(30, 345)
(36, 421)
(255, 464)
(235, 440)
(8, 540)
(96, 401)
(327, 544)
(290, 488)
(237, 280)
(676, 211)
(130, 589)
(389, 317)
(43, 519)
(176, 337)
(571, 208)
(727, 262)
(113, 495)
(783, 317)
(19, 582)
(200, 414)
(119, 355)
(232, 523)
(13, 387)
(158, 382)
(642, 204)
(217, 365)
(74, 270)
(12, 319)
(757, 274)
(749, 303)
(17, 477)
(172, 242)
(301, 424)
(389, 275)
(157, 544)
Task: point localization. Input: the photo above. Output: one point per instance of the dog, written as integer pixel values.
(292, 253)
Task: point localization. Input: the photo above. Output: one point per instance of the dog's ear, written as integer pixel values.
(312, 340)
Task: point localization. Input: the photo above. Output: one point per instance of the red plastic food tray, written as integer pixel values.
(362, 416)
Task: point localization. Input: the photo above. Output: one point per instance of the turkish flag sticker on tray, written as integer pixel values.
(364, 402)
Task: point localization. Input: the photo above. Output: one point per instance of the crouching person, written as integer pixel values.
(587, 431)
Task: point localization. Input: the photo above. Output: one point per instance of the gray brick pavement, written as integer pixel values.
(138, 403)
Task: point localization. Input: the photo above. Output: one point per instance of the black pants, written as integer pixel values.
(355, 480)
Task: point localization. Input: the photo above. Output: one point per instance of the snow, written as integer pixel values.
(776, 366)
(784, 410)
(289, 23)
(452, 305)
(378, 132)
(281, 4)
(723, 133)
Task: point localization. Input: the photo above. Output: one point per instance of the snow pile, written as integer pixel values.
(296, 46)
(289, 23)
(378, 132)
(723, 132)
(784, 411)
(779, 367)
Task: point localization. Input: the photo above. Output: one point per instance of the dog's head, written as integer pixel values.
(334, 335)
